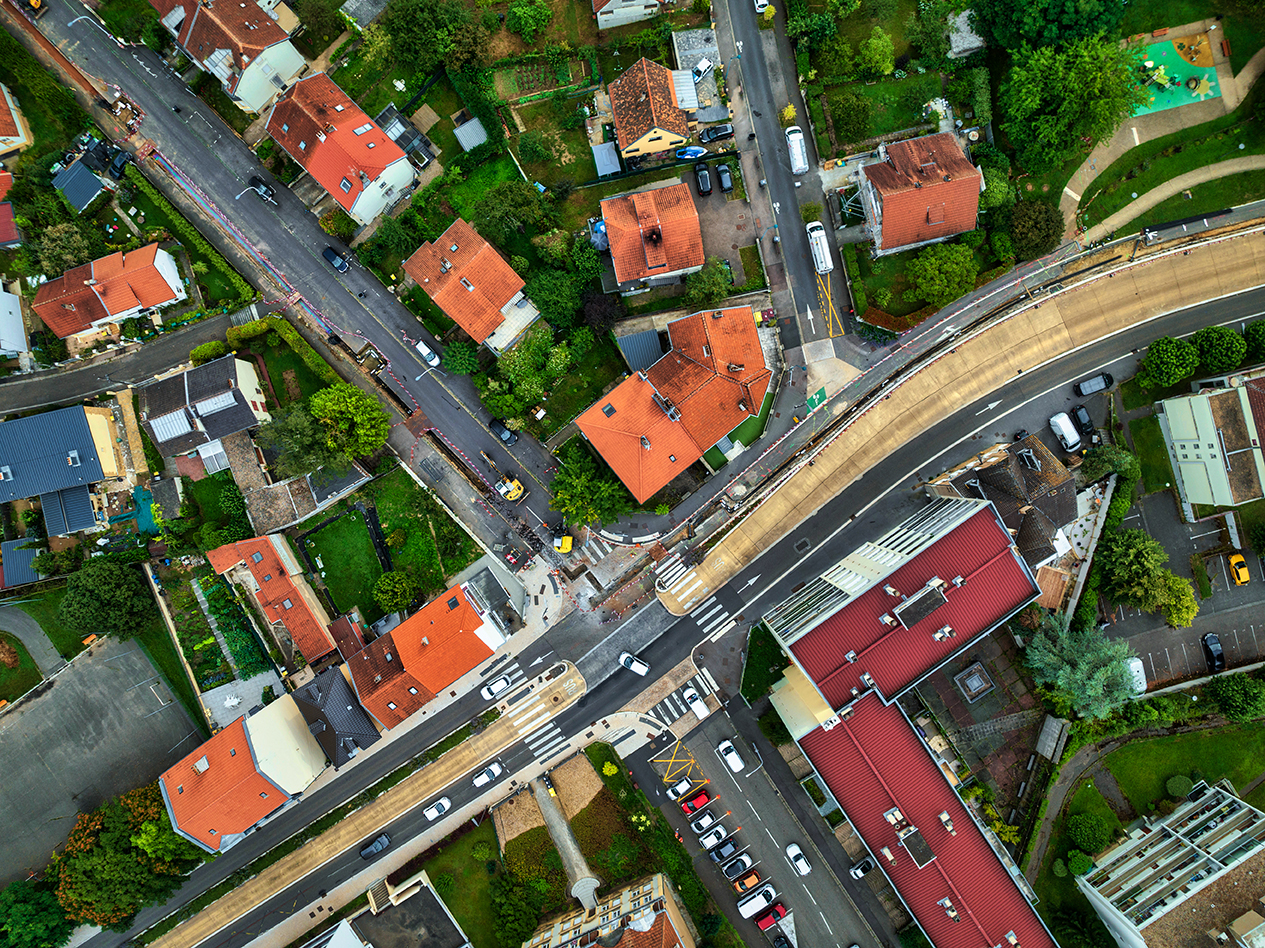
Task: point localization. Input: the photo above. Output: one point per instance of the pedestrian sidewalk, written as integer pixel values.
(1171, 188)
(416, 790)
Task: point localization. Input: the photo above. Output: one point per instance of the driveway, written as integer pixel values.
(17, 622)
(726, 225)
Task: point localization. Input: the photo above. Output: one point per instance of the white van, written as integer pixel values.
(695, 702)
(1065, 431)
(1137, 671)
(799, 150)
(819, 247)
(757, 901)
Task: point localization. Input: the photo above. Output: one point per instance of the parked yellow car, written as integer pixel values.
(1238, 569)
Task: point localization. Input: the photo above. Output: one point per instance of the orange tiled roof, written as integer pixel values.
(226, 796)
(8, 123)
(324, 131)
(240, 26)
(643, 98)
(652, 233)
(275, 590)
(466, 278)
(438, 643)
(106, 287)
(928, 188)
(713, 379)
(384, 686)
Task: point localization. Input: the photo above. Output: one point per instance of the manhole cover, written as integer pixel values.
(803, 545)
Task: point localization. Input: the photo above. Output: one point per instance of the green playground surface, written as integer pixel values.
(1171, 78)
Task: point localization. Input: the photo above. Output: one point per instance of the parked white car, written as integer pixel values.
(496, 687)
(437, 809)
(488, 774)
(729, 754)
(798, 859)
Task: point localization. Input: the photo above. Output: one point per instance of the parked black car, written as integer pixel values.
(1080, 415)
(1213, 652)
(121, 158)
(499, 429)
(262, 188)
(335, 259)
(369, 850)
(724, 850)
(726, 179)
(703, 178)
(716, 133)
(1098, 383)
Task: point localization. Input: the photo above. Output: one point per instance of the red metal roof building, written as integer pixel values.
(655, 424)
(968, 581)
(344, 150)
(924, 190)
(864, 632)
(920, 832)
(9, 235)
(272, 570)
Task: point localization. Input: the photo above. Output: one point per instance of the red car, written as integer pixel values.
(697, 803)
(771, 917)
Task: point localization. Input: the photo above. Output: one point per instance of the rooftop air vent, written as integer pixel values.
(948, 823)
(949, 910)
(891, 591)
(959, 581)
(886, 620)
(851, 657)
(645, 442)
(718, 314)
(868, 680)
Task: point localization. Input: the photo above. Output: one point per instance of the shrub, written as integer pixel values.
(809, 212)
(207, 352)
(1089, 832)
(1079, 863)
(1178, 786)
(609, 768)
(444, 883)
(975, 238)
(1060, 868)
(1238, 697)
(481, 851)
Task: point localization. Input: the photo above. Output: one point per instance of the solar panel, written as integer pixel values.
(171, 425)
(209, 406)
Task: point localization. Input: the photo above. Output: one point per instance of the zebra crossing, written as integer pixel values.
(713, 618)
(536, 728)
(673, 706)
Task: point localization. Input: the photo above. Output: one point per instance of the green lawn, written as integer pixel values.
(216, 286)
(753, 269)
(206, 493)
(470, 900)
(43, 609)
(1148, 442)
(1204, 198)
(1135, 396)
(572, 159)
(764, 665)
(752, 428)
(583, 383)
(889, 101)
(30, 82)
(15, 682)
(373, 87)
(281, 359)
(584, 203)
(445, 101)
(478, 182)
(351, 566)
(1142, 767)
(436, 546)
(888, 273)
(715, 458)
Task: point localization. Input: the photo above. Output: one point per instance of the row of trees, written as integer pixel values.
(1210, 351)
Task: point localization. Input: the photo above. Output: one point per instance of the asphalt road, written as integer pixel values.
(289, 237)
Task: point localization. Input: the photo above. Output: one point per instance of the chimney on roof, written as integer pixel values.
(888, 853)
(654, 235)
(1012, 939)
(718, 314)
(891, 591)
(425, 640)
(867, 679)
(645, 442)
(949, 910)
(850, 657)
(945, 632)
(742, 406)
(947, 178)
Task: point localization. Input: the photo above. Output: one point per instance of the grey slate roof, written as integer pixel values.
(67, 511)
(183, 392)
(15, 563)
(641, 349)
(35, 453)
(327, 485)
(334, 716)
(78, 185)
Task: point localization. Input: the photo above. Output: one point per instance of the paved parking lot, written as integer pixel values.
(727, 225)
(751, 809)
(1232, 612)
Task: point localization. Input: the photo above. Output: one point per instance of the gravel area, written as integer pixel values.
(516, 816)
(577, 784)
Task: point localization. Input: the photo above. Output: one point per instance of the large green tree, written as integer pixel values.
(1254, 333)
(461, 358)
(1167, 362)
(30, 917)
(1109, 459)
(1014, 23)
(355, 422)
(1036, 227)
(709, 285)
(62, 247)
(107, 598)
(1084, 668)
(584, 492)
(1059, 101)
(1180, 605)
(811, 30)
(556, 294)
(507, 207)
(422, 31)
(528, 17)
(394, 590)
(1221, 349)
(941, 274)
(1133, 569)
(157, 840)
(301, 442)
(877, 53)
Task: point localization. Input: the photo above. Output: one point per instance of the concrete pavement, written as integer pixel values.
(16, 622)
(1171, 188)
(1035, 333)
(414, 791)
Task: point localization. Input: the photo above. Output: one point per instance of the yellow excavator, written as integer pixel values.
(506, 484)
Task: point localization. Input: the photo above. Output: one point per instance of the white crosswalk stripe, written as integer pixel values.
(671, 572)
(545, 740)
(675, 589)
(700, 683)
(703, 605)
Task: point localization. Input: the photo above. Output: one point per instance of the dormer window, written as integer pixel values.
(364, 128)
(467, 284)
(345, 185)
(302, 146)
(338, 108)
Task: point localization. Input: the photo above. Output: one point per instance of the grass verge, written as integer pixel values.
(1200, 570)
(44, 610)
(764, 665)
(15, 682)
(1148, 443)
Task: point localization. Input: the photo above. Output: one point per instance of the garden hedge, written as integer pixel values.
(238, 335)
